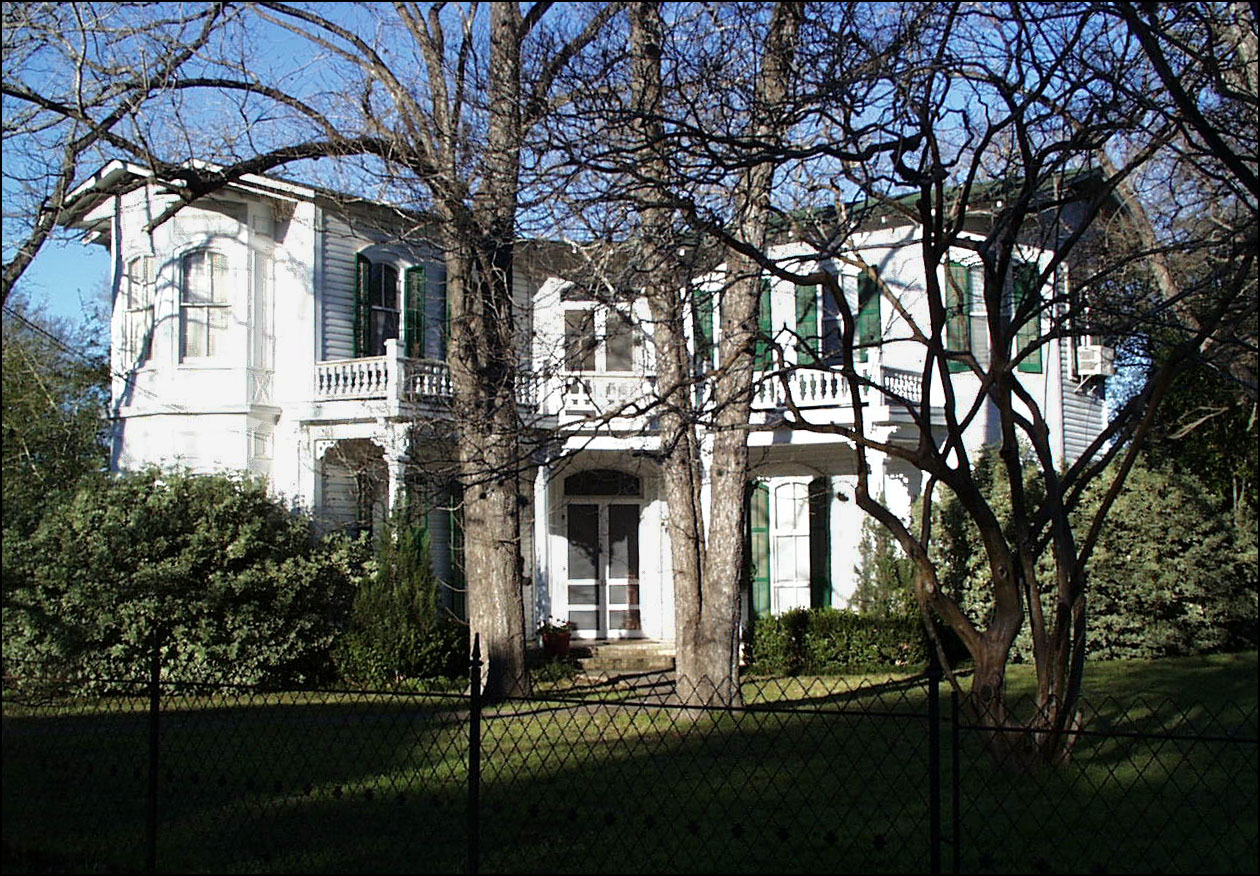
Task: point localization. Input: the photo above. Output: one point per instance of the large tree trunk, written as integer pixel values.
(483, 371)
(708, 563)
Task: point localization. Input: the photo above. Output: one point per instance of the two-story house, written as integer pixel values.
(299, 335)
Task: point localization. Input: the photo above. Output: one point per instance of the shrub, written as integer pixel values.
(823, 641)
(885, 575)
(1172, 574)
(396, 629)
(228, 577)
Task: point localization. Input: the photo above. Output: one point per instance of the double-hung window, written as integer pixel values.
(138, 283)
(958, 298)
(204, 308)
(597, 336)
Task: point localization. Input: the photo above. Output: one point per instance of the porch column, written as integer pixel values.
(540, 606)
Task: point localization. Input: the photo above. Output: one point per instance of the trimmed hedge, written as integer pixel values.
(821, 641)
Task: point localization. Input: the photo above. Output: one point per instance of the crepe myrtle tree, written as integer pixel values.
(1027, 155)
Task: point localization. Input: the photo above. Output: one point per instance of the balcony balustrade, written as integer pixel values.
(401, 381)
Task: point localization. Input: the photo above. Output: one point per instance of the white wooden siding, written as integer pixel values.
(1084, 409)
(337, 313)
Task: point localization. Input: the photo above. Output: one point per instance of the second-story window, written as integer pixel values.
(376, 306)
(597, 337)
(138, 283)
(597, 340)
(204, 307)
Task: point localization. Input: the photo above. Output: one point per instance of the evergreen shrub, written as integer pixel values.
(825, 641)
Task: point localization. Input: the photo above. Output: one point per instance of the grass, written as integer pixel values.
(821, 775)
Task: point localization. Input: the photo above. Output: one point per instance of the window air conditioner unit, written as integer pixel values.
(1095, 360)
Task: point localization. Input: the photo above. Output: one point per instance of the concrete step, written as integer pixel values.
(603, 658)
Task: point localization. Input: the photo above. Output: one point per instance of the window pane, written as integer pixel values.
(791, 508)
(383, 286)
(196, 281)
(216, 331)
(583, 541)
(619, 352)
(583, 594)
(217, 280)
(585, 620)
(194, 331)
(579, 340)
(625, 620)
(623, 541)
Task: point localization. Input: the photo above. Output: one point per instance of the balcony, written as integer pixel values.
(400, 382)
(821, 388)
(406, 386)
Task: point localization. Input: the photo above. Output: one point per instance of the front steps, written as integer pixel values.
(605, 658)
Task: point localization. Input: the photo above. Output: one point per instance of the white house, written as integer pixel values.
(282, 330)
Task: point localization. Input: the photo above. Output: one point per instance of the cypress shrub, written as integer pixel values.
(821, 641)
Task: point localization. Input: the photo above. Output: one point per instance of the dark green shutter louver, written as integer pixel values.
(759, 547)
(413, 322)
(1024, 289)
(868, 320)
(958, 297)
(820, 543)
(362, 314)
(763, 358)
(459, 601)
(807, 325)
(705, 335)
(442, 331)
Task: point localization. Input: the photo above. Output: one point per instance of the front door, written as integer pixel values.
(603, 574)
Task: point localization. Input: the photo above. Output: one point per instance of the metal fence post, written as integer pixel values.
(474, 756)
(955, 721)
(155, 702)
(934, 761)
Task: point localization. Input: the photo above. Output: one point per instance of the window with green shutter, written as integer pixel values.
(868, 319)
(957, 312)
(414, 310)
(807, 346)
(1024, 290)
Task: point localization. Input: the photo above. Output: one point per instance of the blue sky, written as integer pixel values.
(66, 274)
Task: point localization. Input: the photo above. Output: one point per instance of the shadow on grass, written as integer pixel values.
(837, 784)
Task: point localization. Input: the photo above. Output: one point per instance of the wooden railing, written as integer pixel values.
(397, 379)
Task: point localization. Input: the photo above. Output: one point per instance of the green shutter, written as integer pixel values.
(1025, 289)
(362, 316)
(706, 345)
(763, 360)
(759, 547)
(820, 543)
(868, 321)
(807, 325)
(958, 297)
(459, 600)
(413, 308)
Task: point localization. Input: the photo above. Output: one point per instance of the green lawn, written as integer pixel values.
(826, 775)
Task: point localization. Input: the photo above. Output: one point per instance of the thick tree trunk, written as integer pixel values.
(483, 364)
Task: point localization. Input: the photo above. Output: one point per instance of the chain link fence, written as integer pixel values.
(809, 775)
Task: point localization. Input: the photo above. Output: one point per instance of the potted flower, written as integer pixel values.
(555, 636)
